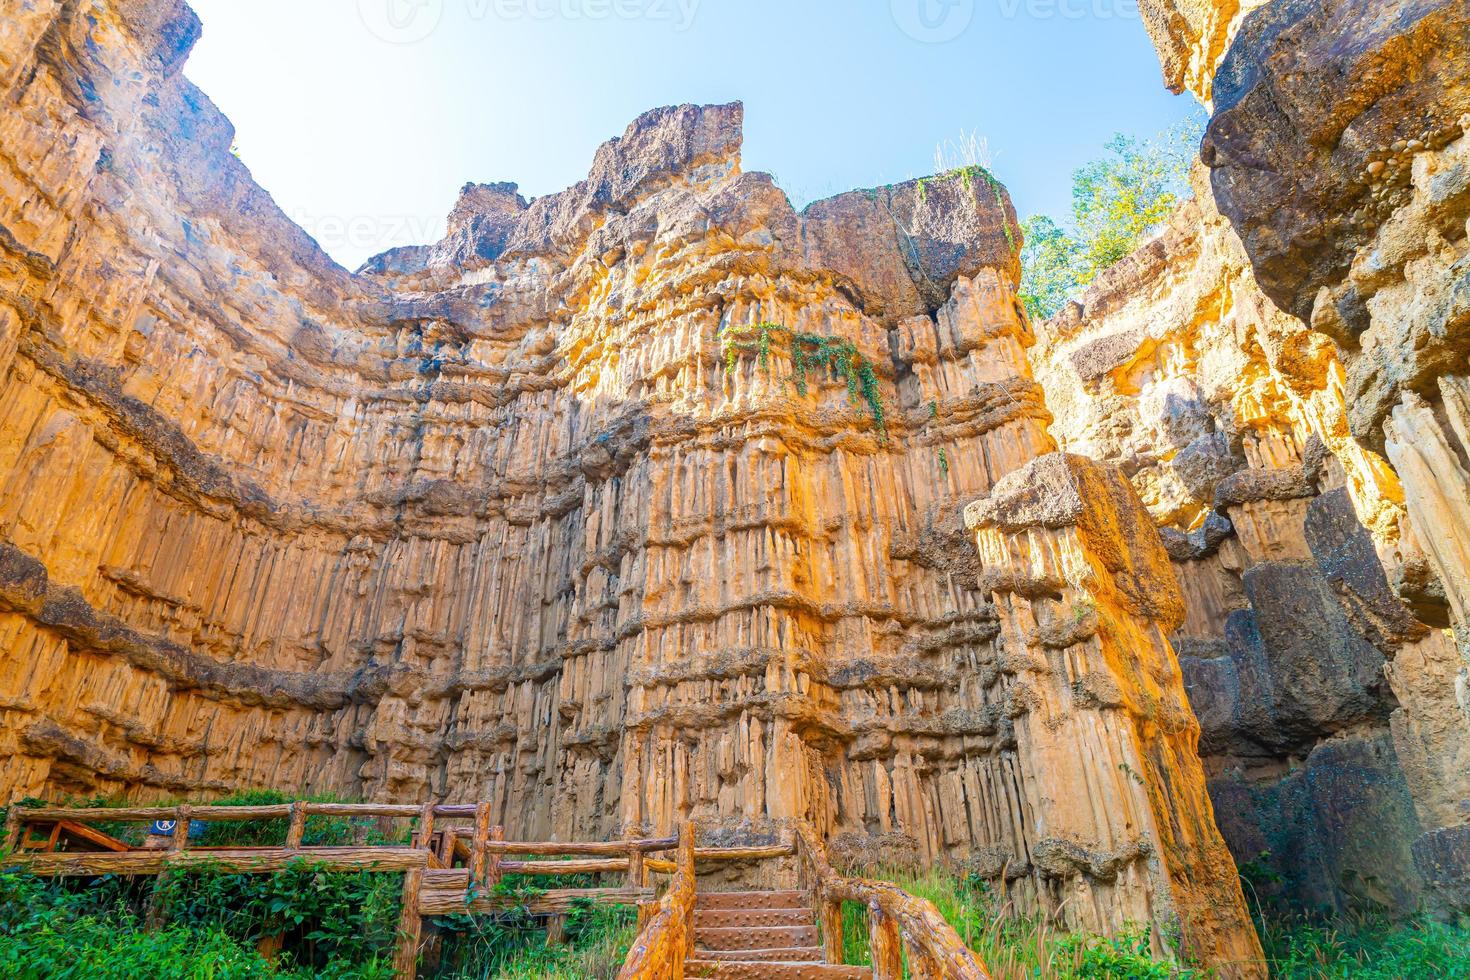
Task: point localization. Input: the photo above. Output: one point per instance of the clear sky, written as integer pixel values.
(364, 117)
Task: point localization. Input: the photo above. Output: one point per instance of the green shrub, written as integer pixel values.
(326, 917)
(117, 948)
(513, 946)
(319, 832)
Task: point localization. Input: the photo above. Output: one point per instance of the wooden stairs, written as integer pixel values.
(761, 936)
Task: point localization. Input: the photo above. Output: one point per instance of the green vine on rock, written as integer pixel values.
(838, 357)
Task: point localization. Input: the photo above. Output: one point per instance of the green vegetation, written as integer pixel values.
(1297, 947)
(329, 925)
(514, 947)
(1015, 948)
(837, 357)
(1364, 948)
(1117, 201)
(305, 922)
(333, 925)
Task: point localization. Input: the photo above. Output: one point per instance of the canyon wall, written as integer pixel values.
(1331, 734)
(639, 503)
(1337, 152)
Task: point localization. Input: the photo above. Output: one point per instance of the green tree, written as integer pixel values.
(1049, 262)
(1118, 200)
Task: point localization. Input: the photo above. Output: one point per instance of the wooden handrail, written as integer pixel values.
(897, 920)
(276, 811)
(427, 859)
(663, 945)
(297, 813)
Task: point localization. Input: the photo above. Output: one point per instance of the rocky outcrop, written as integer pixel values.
(1321, 695)
(625, 506)
(1192, 37)
(1337, 150)
(1086, 598)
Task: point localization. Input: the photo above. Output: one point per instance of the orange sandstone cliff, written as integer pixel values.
(658, 500)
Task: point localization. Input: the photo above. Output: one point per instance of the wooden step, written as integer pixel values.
(751, 918)
(775, 971)
(751, 900)
(804, 954)
(760, 937)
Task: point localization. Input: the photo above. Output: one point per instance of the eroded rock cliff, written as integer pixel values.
(637, 503)
(1337, 151)
(1330, 727)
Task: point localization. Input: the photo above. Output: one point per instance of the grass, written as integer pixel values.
(332, 925)
(1365, 947)
(337, 927)
(340, 927)
(1298, 947)
(1011, 947)
(514, 947)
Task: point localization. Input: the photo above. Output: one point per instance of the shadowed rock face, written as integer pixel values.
(1319, 693)
(543, 515)
(1316, 105)
(1337, 151)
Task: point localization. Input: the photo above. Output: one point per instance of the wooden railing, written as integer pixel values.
(897, 921)
(664, 941)
(447, 870)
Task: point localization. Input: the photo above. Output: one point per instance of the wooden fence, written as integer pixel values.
(447, 870)
(451, 870)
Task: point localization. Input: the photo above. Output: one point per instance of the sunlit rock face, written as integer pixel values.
(1331, 731)
(547, 514)
(1192, 37)
(1337, 150)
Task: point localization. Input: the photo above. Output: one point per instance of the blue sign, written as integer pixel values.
(165, 828)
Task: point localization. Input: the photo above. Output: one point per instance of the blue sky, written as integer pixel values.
(364, 117)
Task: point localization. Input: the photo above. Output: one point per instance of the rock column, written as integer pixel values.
(1122, 828)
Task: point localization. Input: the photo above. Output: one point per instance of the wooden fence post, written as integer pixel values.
(887, 945)
(637, 871)
(688, 845)
(478, 863)
(297, 832)
(180, 839)
(831, 919)
(14, 827)
(410, 923)
(492, 869)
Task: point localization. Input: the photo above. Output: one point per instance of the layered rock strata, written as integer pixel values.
(1337, 150)
(629, 505)
(1330, 727)
(1086, 598)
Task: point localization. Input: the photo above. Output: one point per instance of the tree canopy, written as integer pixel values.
(1118, 200)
